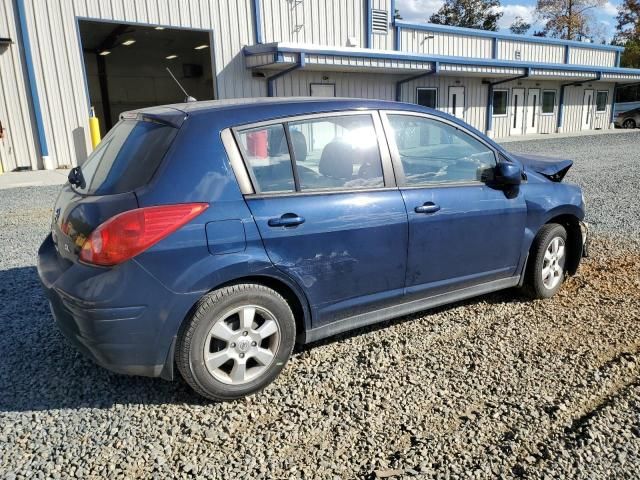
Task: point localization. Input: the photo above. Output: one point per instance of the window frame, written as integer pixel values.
(395, 153)
(427, 88)
(606, 102)
(244, 175)
(506, 105)
(555, 103)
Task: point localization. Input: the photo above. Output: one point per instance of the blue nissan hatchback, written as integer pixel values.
(212, 236)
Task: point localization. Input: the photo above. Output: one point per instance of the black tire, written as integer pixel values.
(629, 123)
(534, 284)
(194, 333)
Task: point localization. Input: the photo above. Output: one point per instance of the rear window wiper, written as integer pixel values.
(76, 178)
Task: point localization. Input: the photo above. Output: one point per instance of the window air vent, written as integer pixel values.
(379, 21)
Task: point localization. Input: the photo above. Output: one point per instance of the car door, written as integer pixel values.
(462, 232)
(328, 210)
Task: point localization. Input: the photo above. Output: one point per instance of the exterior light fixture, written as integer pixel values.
(200, 47)
(171, 57)
(104, 53)
(159, 28)
(129, 42)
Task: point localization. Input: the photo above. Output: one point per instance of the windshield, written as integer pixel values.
(126, 158)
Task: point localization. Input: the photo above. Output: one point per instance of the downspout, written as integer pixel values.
(33, 88)
(561, 102)
(435, 68)
(367, 30)
(273, 78)
(489, 120)
(257, 21)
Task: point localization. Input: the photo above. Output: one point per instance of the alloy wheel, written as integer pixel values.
(553, 263)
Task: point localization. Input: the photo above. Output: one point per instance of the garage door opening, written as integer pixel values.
(126, 67)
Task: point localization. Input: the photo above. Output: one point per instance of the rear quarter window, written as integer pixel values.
(127, 157)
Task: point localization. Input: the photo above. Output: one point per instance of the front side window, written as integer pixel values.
(427, 97)
(601, 101)
(500, 102)
(267, 156)
(435, 152)
(336, 152)
(548, 101)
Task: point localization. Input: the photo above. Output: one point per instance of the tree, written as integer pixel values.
(628, 33)
(481, 14)
(396, 14)
(568, 19)
(519, 26)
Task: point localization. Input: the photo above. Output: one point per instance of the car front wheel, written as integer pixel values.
(236, 342)
(629, 123)
(547, 259)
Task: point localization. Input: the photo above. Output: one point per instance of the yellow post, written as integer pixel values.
(94, 128)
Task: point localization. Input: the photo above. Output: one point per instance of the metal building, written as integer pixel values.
(58, 59)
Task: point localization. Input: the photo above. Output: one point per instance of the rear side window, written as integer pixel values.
(126, 158)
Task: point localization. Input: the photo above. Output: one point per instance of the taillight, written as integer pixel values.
(130, 233)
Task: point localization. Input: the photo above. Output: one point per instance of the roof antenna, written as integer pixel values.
(188, 98)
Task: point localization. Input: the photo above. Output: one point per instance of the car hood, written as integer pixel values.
(553, 168)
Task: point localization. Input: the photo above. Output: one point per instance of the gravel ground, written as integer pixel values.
(495, 386)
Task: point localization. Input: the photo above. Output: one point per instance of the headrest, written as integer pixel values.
(336, 160)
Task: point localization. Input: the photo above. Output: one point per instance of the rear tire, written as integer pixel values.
(547, 258)
(236, 342)
(629, 123)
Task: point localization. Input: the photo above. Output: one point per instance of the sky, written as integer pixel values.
(421, 10)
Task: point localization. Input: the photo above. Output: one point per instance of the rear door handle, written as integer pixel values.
(286, 220)
(427, 207)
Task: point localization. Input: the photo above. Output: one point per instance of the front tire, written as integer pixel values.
(629, 123)
(236, 342)
(547, 258)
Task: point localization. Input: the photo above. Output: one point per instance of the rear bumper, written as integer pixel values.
(122, 318)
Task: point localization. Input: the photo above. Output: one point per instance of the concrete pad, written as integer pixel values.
(33, 178)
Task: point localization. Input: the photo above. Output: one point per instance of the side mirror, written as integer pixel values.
(508, 174)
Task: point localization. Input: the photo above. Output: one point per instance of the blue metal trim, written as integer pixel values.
(267, 48)
(494, 48)
(273, 78)
(435, 69)
(367, 30)
(31, 78)
(257, 21)
(567, 53)
(617, 59)
(397, 41)
(432, 27)
(613, 103)
(84, 68)
(393, 12)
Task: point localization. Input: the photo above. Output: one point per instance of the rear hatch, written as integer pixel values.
(105, 184)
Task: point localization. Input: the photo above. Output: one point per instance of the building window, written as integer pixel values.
(427, 97)
(601, 101)
(500, 102)
(548, 101)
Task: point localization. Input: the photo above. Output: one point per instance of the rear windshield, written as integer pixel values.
(126, 158)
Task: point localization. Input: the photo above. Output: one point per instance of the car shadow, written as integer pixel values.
(40, 370)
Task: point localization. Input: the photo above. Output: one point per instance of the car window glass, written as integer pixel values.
(336, 152)
(267, 156)
(435, 152)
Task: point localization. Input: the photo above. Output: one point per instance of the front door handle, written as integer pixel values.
(286, 220)
(427, 207)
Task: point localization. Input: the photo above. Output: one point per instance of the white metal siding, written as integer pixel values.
(590, 56)
(353, 85)
(439, 43)
(19, 147)
(530, 51)
(381, 41)
(574, 97)
(321, 22)
(58, 61)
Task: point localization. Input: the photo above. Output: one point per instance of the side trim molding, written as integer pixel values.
(406, 308)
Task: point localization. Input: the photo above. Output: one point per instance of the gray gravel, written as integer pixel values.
(496, 386)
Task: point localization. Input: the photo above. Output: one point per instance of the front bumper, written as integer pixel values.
(122, 318)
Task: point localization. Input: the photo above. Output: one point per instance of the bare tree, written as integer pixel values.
(481, 14)
(519, 26)
(568, 19)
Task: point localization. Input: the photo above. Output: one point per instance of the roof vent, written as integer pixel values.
(379, 21)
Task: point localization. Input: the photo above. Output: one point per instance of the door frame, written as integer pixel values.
(535, 112)
(513, 117)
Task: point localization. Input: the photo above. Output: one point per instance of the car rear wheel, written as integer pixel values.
(629, 123)
(236, 342)
(547, 258)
